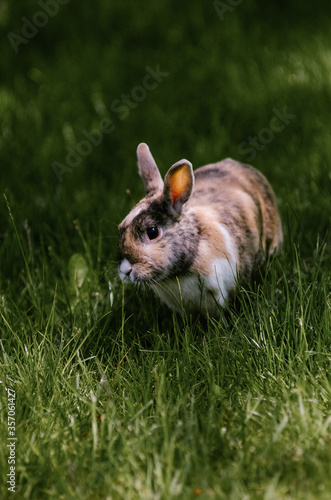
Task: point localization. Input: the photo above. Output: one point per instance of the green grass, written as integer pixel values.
(116, 398)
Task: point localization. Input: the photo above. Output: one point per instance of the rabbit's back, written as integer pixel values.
(242, 202)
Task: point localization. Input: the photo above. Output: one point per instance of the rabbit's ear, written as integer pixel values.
(178, 185)
(148, 170)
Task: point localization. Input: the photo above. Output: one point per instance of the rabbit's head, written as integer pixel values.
(159, 237)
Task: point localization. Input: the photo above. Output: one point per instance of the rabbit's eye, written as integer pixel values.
(153, 232)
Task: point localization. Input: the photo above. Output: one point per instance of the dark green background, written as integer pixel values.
(225, 78)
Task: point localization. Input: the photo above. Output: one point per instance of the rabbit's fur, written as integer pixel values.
(194, 234)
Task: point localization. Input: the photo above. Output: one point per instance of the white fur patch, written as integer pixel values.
(185, 291)
(230, 247)
(134, 212)
(222, 278)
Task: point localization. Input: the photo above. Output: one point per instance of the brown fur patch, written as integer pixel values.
(211, 244)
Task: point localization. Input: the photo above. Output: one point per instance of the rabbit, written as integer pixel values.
(195, 233)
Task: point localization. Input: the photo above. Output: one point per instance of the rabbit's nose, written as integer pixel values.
(125, 270)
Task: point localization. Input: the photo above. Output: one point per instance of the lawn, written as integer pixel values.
(104, 393)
